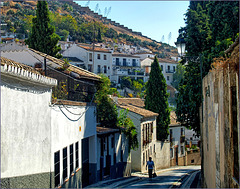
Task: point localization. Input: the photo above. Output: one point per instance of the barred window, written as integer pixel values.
(64, 163)
(57, 168)
(76, 153)
(71, 158)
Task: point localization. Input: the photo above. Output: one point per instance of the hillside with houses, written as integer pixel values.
(75, 23)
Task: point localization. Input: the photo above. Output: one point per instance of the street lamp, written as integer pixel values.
(181, 44)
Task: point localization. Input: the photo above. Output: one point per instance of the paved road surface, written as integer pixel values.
(186, 177)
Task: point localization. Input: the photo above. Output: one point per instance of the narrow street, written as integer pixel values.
(186, 177)
(176, 177)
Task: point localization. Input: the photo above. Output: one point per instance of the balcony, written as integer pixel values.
(170, 71)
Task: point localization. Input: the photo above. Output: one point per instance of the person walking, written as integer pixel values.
(150, 165)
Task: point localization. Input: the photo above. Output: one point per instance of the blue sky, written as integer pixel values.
(153, 18)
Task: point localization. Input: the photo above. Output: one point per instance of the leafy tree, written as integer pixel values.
(129, 129)
(106, 109)
(211, 27)
(178, 76)
(43, 37)
(126, 82)
(156, 99)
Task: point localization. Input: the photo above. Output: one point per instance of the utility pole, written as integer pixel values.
(93, 43)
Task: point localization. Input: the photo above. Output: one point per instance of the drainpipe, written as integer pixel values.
(45, 66)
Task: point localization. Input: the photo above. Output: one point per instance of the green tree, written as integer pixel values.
(178, 76)
(156, 99)
(107, 114)
(210, 29)
(126, 82)
(129, 129)
(43, 37)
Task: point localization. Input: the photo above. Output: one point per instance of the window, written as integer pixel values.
(168, 68)
(143, 158)
(117, 62)
(98, 56)
(76, 153)
(121, 155)
(105, 69)
(168, 78)
(89, 67)
(71, 158)
(113, 141)
(64, 163)
(124, 62)
(57, 168)
(174, 68)
(182, 131)
(154, 148)
(171, 135)
(134, 62)
(98, 69)
(105, 57)
(90, 57)
(171, 153)
(182, 150)
(162, 67)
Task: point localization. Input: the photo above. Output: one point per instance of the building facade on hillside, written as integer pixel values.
(97, 60)
(168, 67)
(145, 123)
(177, 142)
(144, 55)
(113, 159)
(126, 65)
(220, 126)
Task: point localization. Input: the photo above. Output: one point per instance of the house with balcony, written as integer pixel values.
(177, 141)
(126, 65)
(96, 59)
(168, 67)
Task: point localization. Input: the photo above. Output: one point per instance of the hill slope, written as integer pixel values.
(72, 19)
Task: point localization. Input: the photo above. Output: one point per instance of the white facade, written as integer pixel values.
(97, 61)
(126, 65)
(176, 132)
(34, 132)
(25, 123)
(168, 68)
(145, 55)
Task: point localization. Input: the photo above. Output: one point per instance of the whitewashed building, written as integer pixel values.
(97, 61)
(145, 123)
(168, 67)
(144, 55)
(113, 154)
(55, 140)
(177, 142)
(126, 65)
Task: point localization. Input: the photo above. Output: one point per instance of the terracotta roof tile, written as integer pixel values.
(18, 65)
(105, 130)
(97, 49)
(141, 111)
(83, 73)
(132, 101)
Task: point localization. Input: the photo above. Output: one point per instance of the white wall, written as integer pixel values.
(66, 132)
(25, 133)
(176, 134)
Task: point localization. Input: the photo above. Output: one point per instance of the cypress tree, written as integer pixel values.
(43, 37)
(156, 99)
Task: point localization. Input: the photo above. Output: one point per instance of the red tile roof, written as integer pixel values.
(97, 49)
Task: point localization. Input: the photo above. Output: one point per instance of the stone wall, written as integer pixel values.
(220, 129)
(193, 158)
